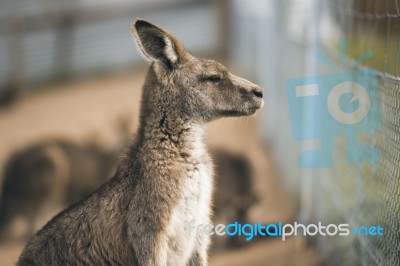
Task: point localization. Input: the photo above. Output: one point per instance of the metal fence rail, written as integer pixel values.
(52, 40)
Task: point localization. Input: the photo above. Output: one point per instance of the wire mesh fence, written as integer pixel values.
(314, 38)
(366, 194)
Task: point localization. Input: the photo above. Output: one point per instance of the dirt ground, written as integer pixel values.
(86, 109)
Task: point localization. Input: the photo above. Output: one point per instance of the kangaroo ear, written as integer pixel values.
(157, 44)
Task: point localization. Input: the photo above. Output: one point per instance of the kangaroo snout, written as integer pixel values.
(247, 88)
(252, 96)
(259, 94)
(254, 90)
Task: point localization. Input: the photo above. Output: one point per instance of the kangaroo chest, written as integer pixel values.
(192, 208)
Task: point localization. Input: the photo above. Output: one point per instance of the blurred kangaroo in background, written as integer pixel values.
(52, 174)
(234, 180)
(164, 179)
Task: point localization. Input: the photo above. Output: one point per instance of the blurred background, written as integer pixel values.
(70, 85)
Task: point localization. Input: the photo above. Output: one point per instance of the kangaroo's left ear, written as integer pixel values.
(157, 44)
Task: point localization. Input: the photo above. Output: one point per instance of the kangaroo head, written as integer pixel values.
(203, 89)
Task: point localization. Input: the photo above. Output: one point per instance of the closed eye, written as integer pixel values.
(213, 78)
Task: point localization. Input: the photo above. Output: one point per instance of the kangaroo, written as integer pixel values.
(141, 216)
(234, 181)
(53, 173)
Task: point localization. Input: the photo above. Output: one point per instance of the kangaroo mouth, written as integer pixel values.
(258, 104)
(245, 110)
(232, 113)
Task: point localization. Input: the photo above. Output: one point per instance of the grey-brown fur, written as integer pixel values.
(164, 180)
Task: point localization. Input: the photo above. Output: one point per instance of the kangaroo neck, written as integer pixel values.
(164, 128)
(169, 134)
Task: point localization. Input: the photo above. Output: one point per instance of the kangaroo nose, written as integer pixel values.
(257, 92)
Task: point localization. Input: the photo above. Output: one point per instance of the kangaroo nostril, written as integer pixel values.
(258, 93)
